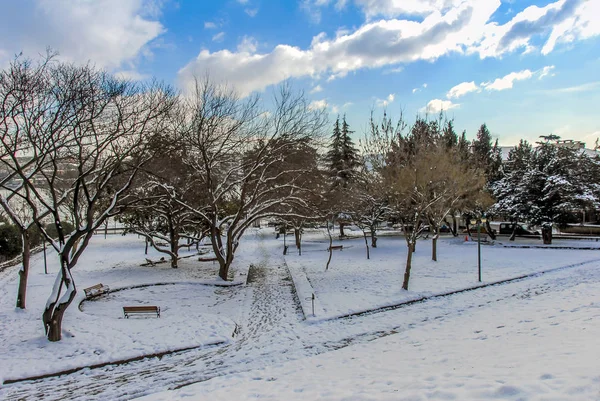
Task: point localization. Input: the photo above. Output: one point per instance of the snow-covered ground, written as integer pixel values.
(506, 341)
(354, 284)
(194, 312)
(540, 348)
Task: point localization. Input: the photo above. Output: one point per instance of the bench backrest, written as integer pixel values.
(95, 287)
(140, 308)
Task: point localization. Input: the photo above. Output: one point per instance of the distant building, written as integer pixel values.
(570, 143)
(564, 143)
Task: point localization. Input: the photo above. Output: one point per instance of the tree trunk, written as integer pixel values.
(373, 238)
(547, 234)
(366, 245)
(24, 272)
(434, 245)
(489, 230)
(146, 249)
(330, 244)
(342, 234)
(174, 248)
(408, 266)
(454, 226)
(297, 237)
(224, 270)
(228, 257)
(55, 309)
(226, 264)
(217, 245)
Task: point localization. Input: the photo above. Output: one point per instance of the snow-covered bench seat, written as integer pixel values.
(334, 247)
(132, 310)
(96, 290)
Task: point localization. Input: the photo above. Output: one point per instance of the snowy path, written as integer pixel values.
(272, 332)
(273, 314)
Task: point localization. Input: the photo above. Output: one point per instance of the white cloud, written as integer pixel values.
(210, 25)
(394, 8)
(131, 75)
(437, 105)
(373, 45)
(247, 45)
(462, 89)
(506, 82)
(316, 89)
(444, 27)
(546, 71)
(394, 70)
(318, 104)
(560, 21)
(110, 33)
(576, 89)
(251, 12)
(312, 8)
(242, 1)
(218, 37)
(415, 90)
(386, 101)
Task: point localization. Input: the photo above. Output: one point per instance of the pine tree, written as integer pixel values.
(546, 186)
(513, 190)
(342, 157)
(463, 147)
(449, 137)
(333, 157)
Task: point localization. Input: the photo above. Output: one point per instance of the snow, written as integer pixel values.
(354, 284)
(195, 310)
(542, 348)
(531, 339)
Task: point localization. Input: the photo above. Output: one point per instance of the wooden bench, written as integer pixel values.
(334, 247)
(132, 310)
(95, 290)
(207, 259)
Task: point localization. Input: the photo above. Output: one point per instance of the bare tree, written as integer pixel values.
(158, 212)
(29, 111)
(82, 154)
(405, 160)
(370, 206)
(453, 184)
(238, 153)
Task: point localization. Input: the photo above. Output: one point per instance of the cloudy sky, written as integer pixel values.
(526, 68)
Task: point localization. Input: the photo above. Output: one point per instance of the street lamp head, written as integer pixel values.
(483, 220)
(473, 221)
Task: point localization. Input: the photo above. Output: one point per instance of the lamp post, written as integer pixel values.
(479, 221)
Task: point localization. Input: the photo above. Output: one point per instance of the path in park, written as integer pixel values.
(273, 331)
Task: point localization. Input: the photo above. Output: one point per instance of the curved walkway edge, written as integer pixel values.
(305, 291)
(115, 363)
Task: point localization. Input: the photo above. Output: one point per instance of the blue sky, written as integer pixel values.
(526, 68)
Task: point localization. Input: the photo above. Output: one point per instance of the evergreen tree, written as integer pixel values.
(486, 155)
(546, 186)
(463, 147)
(512, 190)
(482, 146)
(334, 155)
(561, 187)
(342, 157)
(449, 136)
